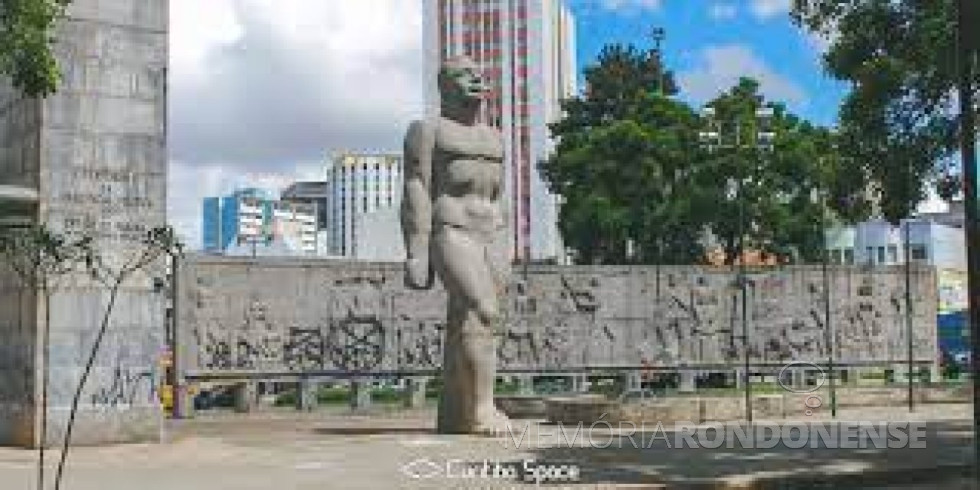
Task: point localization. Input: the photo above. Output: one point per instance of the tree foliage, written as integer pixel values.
(631, 171)
(25, 44)
(900, 58)
(621, 163)
(788, 191)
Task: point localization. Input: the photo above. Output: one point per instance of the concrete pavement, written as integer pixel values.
(336, 450)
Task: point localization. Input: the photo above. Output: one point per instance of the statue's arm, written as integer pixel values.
(416, 211)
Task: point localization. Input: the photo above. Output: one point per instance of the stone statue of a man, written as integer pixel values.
(451, 216)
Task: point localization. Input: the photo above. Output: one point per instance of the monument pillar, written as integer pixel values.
(360, 394)
(415, 392)
(306, 392)
(246, 396)
(525, 384)
(687, 382)
(95, 155)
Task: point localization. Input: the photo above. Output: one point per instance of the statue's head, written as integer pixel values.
(460, 82)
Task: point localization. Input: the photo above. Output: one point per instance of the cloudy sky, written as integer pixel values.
(263, 90)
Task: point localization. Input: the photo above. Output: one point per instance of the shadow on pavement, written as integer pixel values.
(651, 457)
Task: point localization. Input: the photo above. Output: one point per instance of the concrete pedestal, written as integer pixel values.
(246, 397)
(687, 382)
(414, 394)
(360, 395)
(183, 401)
(634, 381)
(306, 395)
(896, 373)
(525, 385)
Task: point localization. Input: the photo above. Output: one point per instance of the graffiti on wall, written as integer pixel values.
(308, 316)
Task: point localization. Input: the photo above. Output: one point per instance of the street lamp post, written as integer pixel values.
(908, 309)
(658, 34)
(828, 320)
(713, 139)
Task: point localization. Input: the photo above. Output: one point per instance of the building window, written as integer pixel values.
(893, 254)
(919, 253)
(870, 255)
(881, 255)
(848, 255)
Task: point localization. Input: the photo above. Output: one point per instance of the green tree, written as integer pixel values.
(776, 197)
(25, 44)
(621, 165)
(631, 170)
(900, 116)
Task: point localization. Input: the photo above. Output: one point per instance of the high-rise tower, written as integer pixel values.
(526, 49)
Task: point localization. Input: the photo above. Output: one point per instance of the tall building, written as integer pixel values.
(526, 49)
(359, 184)
(311, 193)
(254, 221)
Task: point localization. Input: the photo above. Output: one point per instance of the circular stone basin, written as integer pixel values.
(522, 406)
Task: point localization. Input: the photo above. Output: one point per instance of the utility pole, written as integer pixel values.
(969, 49)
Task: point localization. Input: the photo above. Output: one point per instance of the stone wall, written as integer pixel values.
(281, 316)
(101, 171)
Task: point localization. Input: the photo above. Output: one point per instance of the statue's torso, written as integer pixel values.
(467, 176)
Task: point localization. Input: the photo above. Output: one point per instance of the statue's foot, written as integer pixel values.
(493, 423)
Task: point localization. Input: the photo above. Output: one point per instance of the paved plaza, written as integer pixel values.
(334, 449)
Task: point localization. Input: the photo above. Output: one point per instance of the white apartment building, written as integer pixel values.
(295, 224)
(878, 242)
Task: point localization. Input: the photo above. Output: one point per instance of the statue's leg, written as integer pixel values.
(469, 365)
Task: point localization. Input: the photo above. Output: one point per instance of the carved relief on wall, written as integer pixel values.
(358, 318)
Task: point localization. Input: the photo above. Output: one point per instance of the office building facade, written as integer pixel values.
(314, 194)
(878, 242)
(361, 184)
(931, 242)
(256, 222)
(526, 49)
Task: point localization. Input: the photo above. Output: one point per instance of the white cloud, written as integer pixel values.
(933, 203)
(196, 31)
(767, 9)
(272, 86)
(632, 4)
(720, 67)
(723, 11)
